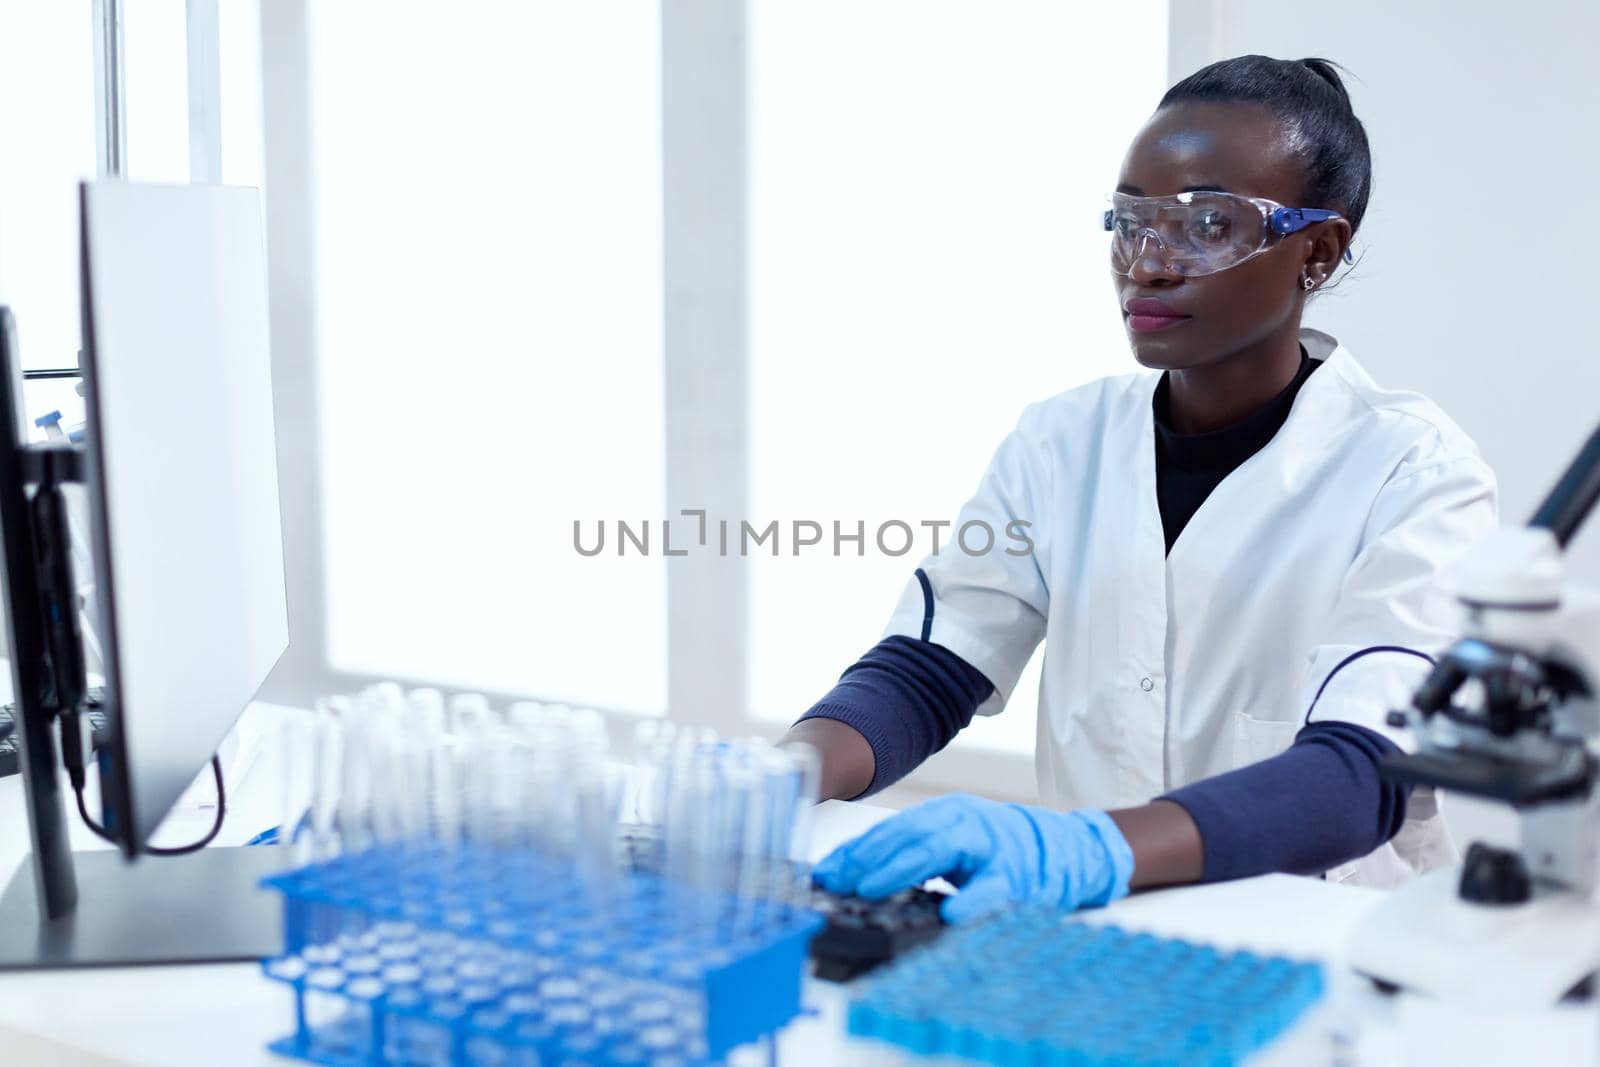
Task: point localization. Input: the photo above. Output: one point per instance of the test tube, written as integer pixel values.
(427, 707)
(551, 802)
(502, 759)
(445, 817)
(655, 743)
(400, 798)
(298, 735)
(355, 785)
(808, 767)
(712, 827)
(327, 775)
(385, 696)
(684, 802)
(321, 837)
(466, 712)
(748, 832)
(596, 826)
(384, 740)
(473, 725)
(641, 754)
(526, 715)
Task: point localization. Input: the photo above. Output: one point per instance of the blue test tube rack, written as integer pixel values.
(479, 956)
(1032, 988)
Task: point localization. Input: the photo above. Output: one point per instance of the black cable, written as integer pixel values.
(182, 850)
(1351, 658)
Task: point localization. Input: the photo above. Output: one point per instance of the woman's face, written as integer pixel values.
(1237, 148)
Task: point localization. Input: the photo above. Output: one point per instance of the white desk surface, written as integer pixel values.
(205, 1016)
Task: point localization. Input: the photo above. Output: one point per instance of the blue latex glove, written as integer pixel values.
(997, 854)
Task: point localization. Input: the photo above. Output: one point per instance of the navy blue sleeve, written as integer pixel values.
(908, 698)
(1315, 806)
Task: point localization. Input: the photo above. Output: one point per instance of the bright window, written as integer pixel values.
(926, 186)
(46, 147)
(239, 70)
(487, 210)
(155, 42)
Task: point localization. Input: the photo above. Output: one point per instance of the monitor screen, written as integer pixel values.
(182, 479)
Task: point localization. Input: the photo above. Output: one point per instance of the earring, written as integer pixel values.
(1307, 282)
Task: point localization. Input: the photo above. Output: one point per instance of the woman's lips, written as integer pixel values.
(1147, 315)
(1149, 323)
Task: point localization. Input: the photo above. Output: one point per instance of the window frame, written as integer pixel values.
(705, 352)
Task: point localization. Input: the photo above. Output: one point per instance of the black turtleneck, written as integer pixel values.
(1190, 466)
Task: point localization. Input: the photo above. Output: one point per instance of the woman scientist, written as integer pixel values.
(1236, 564)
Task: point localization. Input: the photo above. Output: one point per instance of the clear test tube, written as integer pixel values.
(424, 723)
(297, 746)
(642, 754)
(443, 788)
(710, 825)
(472, 724)
(384, 741)
(596, 829)
(355, 785)
(677, 833)
(503, 761)
(427, 710)
(747, 833)
(526, 715)
(406, 768)
(645, 735)
(677, 751)
(417, 753)
(559, 715)
(589, 730)
(326, 775)
(781, 795)
(318, 839)
(680, 806)
(551, 808)
(354, 825)
(386, 696)
(657, 781)
(808, 768)
(466, 711)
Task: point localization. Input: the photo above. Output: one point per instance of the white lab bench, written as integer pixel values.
(224, 1015)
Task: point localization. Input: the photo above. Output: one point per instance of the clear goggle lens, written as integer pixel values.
(1192, 233)
(1202, 232)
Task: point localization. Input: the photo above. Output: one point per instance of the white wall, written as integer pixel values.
(1481, 116)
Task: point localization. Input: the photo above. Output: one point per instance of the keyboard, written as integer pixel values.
(864, 934)
(11, 755)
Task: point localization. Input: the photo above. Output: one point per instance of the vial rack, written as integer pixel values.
(472, 955)
(1033, 988)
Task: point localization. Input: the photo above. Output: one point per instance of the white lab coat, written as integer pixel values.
(1161, 670)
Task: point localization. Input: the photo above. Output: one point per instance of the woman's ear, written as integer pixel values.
(1328, 243)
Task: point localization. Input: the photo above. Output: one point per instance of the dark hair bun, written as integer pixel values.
(1310, 96)
(1328, 71)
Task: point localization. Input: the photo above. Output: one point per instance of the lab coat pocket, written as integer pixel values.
(1257, 739)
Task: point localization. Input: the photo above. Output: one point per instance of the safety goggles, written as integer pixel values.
(1202, 232)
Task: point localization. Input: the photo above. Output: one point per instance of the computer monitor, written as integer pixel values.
(182, 476)
(180, 471)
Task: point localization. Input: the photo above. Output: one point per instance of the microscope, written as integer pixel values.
(1509, 715)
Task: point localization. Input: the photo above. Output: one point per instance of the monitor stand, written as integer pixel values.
(206, 907)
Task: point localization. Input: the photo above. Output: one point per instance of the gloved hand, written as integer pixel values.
(995, 853)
